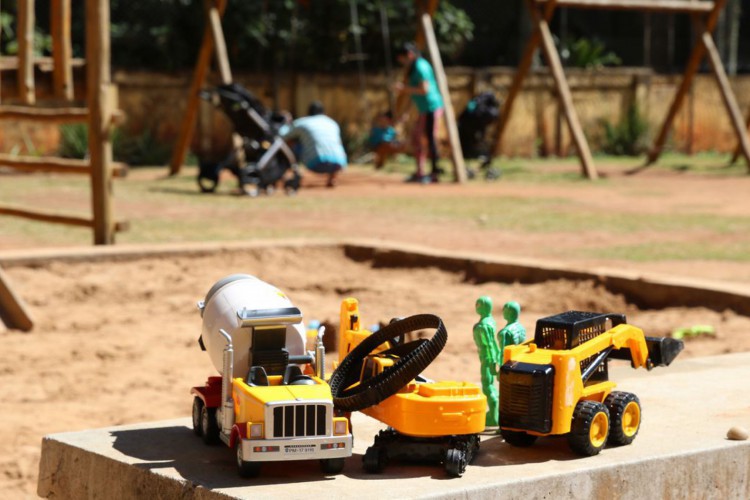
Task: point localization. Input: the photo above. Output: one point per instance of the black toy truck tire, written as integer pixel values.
(517, 438)
(209, 426)
(625, 417)
(455, 462)
(375, 459)
(245, 469)
(197, 410)
(332, 465)
(589, 417)
(392, 379)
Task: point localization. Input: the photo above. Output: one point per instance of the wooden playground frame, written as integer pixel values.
(704, 13)
(100, 113)
(213, 45)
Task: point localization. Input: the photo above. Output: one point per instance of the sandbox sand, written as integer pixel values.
(116, 342)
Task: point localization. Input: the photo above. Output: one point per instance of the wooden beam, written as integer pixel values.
(738, 152)
(220, 45)
(56, 165)
(565, 96)
(55, 218)
(667, 6)
(98, 82)
(43, 216)
(41, 63)
(428, 7)
(191, 112)
(62, 49)
(46, 115)
(25, 35)
(13, 310)
(519, 76)
(699, 51)
(727, 95)
(457, 155)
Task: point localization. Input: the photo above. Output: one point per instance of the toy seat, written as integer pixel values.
(257, 376)
(268, 350)
(293, 376)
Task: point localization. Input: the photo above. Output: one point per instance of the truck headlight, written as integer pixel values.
(255, 430)
(340, 426)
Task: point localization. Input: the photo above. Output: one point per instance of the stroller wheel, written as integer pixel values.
(250, 190)
(207, 185)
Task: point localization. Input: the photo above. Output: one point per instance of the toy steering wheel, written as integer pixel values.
(413, 357)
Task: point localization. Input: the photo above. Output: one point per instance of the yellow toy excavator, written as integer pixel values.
(379, 374)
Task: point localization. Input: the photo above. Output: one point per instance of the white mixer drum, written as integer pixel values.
(237, 293)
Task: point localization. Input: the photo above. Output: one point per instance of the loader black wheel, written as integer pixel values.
(332, 465)
(625, 415)
(517, 438)
(245, 469)
(209, 426)
(455, 462)
(412, 359)
(375, 459)
(589, 429)
(197, 409)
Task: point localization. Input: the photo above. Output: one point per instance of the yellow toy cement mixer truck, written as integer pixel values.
(270, 402)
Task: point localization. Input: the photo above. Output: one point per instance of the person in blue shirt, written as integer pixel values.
(318, 143)
(423, 90)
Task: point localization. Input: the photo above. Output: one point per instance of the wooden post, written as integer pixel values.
(699, 51)
(428, 7)
(519, 77)
(566, 98)
(738, 152)
(457, 156)
(727, 95)
(98, 83)
(62, 49)
(25, 34)
(220, 45)
(191, 112)
(13, 311)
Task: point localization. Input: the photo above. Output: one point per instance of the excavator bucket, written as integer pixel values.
(663, 350)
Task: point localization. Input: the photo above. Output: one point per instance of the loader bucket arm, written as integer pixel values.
(663, 350)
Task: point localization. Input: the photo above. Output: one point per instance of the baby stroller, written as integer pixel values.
(480, 112)
(259, 157)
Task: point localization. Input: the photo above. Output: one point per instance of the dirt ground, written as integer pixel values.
(116, 343)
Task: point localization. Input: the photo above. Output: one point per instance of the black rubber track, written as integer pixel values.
(382, 386)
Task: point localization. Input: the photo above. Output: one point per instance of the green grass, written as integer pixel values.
(170, 209)
(654, 252)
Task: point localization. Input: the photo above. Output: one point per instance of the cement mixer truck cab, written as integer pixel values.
(270, 402)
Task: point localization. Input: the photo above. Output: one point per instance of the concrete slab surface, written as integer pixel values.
(680, 452)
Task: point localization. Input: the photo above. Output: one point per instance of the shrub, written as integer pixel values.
(629, 136)
(135, 150)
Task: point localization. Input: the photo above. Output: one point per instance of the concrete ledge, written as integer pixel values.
(681, 452)
(648, 290)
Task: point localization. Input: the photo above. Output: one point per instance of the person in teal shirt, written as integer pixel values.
(423, 90)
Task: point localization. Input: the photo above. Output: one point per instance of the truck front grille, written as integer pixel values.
(299, 420)
(526, 396)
